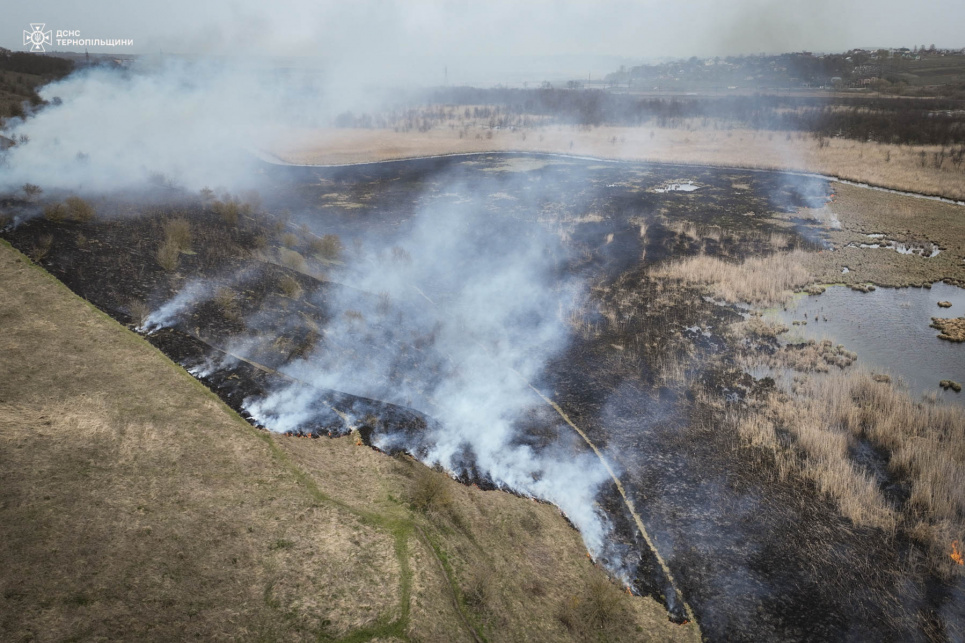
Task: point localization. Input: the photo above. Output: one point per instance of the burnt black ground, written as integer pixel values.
(757, 557)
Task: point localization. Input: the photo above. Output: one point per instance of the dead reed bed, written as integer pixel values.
(758, 280)
(814, 429)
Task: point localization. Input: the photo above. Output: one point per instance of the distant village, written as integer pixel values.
(900, 70)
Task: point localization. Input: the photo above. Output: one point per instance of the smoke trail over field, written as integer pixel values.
(176, 122)
(454, 320)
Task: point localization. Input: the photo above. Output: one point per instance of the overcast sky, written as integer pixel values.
(434, 33)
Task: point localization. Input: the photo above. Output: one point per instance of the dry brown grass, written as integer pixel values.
(827, 415)
(808, 357)
(893, 166)
(757, 326)
(759, 280)
(134, 505)
(899, 218)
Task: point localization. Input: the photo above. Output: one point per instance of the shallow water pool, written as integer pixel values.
(889, 330)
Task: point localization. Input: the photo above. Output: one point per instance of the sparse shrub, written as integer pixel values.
(479, 590)
(31, 191)
(227, 301)
(598, 613)
(429, 492)
(603, 603)
(400, 255)
(329, 247)
(289, 240)
(569, 613)
(42, 248)
(536, 588)
(227, 210)
(79, 209)
(167, 255)
(354, 315)
(55, 212)
(160, 179)
(289, 286)
(530, 523)
(259, 241)
(80, 240)
(291, 259)
(177, 233)
(138, 311)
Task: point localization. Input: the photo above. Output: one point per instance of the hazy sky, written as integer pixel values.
(432, 33)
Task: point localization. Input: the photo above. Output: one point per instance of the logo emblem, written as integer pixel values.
(37, 37)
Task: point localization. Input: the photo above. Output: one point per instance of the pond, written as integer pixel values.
(889, 330)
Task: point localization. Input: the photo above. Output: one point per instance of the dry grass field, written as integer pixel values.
(903, 219)
(900, 167)
(134, 505)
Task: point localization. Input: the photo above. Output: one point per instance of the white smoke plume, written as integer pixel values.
(174, 122)
(455, 320)
(165, 315)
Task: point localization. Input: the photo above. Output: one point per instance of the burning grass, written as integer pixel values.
(133, 504)
(758, 280)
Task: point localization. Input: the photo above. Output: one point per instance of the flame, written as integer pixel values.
(956, 554)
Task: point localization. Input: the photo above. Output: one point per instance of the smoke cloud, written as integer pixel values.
(190, 124)
(455, 319)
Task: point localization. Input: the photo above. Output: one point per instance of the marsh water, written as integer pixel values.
(889, 330)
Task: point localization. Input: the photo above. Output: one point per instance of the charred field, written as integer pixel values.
(333, 301)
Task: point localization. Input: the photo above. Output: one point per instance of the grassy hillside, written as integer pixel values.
(135, 505)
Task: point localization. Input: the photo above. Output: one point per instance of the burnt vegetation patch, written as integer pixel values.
(240, 290)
